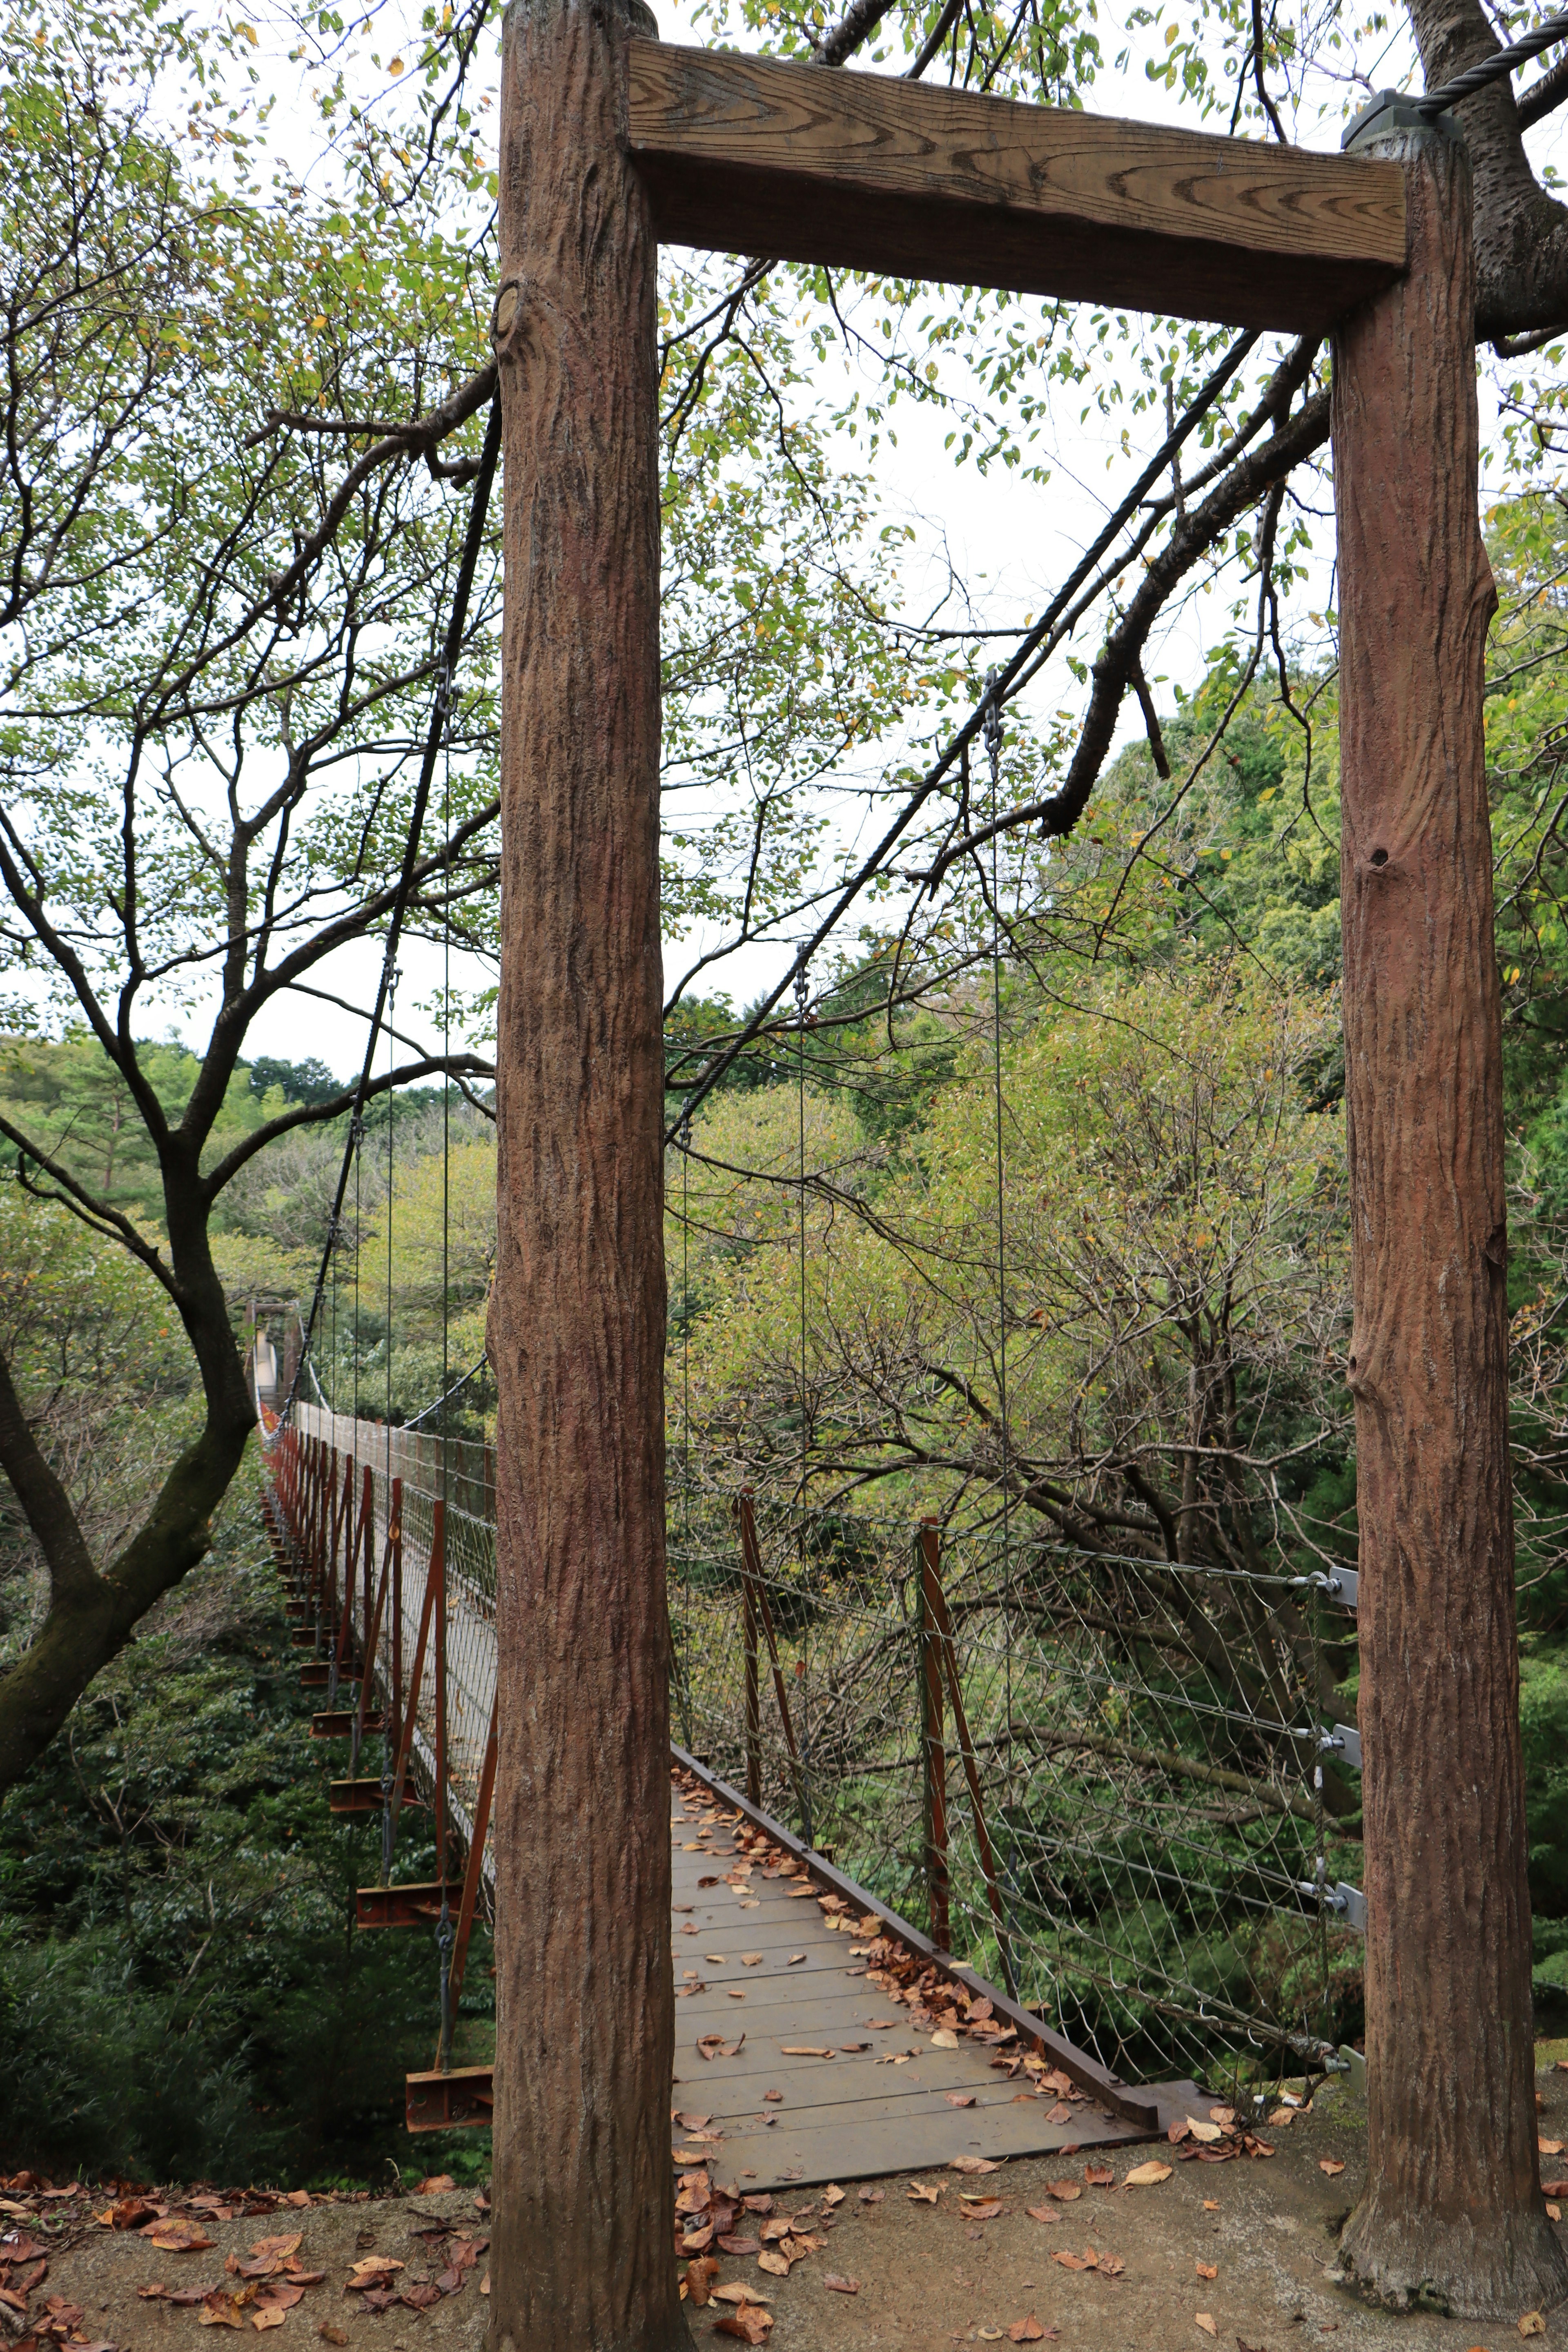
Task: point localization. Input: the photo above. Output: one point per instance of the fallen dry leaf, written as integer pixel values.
(981, 2209)
(1330, 2165)
(436, 2185)
(1207, 2133)
(1211, 2204)
(925, 2192)
(1064, 2191)
(1098, 2176)
(943, 2039)
(870, 2196)
(737, 2292)
(700, 2278)
(974, 2164)
(220, 2310)
(750, 1959)
(1111, 2266)
(833, 2195)
(1027, 2331)
(960, 2098)
(750, 2323)
(1146, 2175)
(176, 2237)
(1070, 2262)
(776, 2263)
(269, 2316)
(1206, 2270)
(803, 2050)
(796, 1958)
(1550, 2146)
(279, 2246)
(330, 2335)
(1178, 2131)
(1532, 2324)
(1556, 2188)
(839, 2286)
(1205, 2322)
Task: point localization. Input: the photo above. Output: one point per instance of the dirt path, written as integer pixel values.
(928, 2273)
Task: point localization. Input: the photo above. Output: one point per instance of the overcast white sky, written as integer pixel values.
(1010, 541)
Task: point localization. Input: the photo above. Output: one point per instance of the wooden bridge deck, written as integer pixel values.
(803, 2070)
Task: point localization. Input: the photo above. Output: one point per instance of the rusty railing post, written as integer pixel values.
(749, 1642)
(934, 1749)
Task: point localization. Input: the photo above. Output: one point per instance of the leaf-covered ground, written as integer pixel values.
(1237, 2254)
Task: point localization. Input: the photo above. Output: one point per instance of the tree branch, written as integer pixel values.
(44, 1502)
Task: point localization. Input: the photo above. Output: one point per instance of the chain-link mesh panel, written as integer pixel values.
(1095, 1779)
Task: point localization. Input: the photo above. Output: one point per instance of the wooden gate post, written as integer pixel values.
(584, 2197)
(1452, 2209)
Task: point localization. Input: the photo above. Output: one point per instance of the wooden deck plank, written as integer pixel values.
(866, 171)
(852, 2113)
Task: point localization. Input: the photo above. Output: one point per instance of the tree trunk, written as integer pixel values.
(582, 2246)
(1452, 2213)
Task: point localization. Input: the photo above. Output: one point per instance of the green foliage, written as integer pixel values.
(181, 1989)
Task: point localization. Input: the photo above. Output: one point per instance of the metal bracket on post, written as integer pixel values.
(1347, 1903)
(1342, 1586)
(1394, 109)
(1343, 1741)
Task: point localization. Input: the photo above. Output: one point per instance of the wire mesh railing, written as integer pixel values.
(1103, 1782)
(1107, 1783)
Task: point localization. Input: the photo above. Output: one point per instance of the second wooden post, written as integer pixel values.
(1452, 2213)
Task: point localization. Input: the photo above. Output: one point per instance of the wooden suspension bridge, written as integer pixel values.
(820, 2033)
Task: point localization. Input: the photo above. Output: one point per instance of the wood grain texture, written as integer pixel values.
(853, 2116)
(584, 2198)
(1453, 2207)
(865, 172)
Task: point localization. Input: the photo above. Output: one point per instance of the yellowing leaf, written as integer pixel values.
(1145, 2176)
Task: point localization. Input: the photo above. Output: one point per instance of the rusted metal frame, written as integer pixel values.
(753, 1570)
(439, 1570)
(395, 1534)
(411, 1721)
(367, 1546)
(753, 1705)
(1151, 2109)
(371, 1639)
(351, 1552)
(308, 1526)
(413, 1905)
(462, 2097)
(937, 1603)
(361, 1796)
(471, 1875)
(933, 1744)
(394, 1724)
(338, 1723)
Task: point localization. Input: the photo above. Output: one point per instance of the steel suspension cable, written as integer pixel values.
(801, 997)
(434, 738)
(994, 752)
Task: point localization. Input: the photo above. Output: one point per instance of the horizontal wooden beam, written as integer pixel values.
(859, 171)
